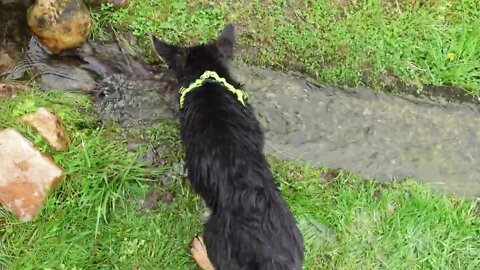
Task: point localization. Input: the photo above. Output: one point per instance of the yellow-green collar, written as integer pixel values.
(241, 95)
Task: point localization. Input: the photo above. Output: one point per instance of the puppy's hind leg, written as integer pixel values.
(199, 253)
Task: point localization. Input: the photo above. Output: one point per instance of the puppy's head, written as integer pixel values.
(196, 59)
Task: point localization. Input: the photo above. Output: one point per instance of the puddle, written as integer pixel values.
(377, 135)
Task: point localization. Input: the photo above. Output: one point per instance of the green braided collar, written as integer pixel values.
(241, 95)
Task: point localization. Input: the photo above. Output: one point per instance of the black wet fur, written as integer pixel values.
(251, 226)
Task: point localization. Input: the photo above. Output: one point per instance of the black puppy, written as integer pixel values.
(251, 226)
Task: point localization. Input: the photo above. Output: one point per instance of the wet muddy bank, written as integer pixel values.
(394, 85)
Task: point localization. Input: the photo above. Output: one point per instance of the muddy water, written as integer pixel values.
(134, 103)
(376, 135)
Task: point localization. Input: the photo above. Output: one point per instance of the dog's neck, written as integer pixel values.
(193, 73)
(211, 76)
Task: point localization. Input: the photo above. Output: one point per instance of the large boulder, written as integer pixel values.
(59, 24)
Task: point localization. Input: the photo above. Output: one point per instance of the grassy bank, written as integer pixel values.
(371, 42)
(92, 220)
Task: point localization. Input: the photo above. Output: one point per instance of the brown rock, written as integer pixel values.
(11, 88)
(50, 127)
(26, 175)
(59, 24)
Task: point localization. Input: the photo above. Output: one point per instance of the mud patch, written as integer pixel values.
(331, 175)
(14, 36)
(134, 103)
(154, 196)
(440, 93)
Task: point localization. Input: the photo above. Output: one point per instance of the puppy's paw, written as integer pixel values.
(199, 253)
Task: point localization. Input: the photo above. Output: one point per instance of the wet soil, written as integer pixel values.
(384, 136)
(14, 35)
(154, 197)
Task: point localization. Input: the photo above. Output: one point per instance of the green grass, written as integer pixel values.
(92, 219)
(369, 42)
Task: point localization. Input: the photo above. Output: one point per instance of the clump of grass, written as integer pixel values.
(351, 223)
(373, 43)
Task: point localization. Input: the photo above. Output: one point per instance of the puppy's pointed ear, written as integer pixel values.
(172, 55)
(226, 41)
